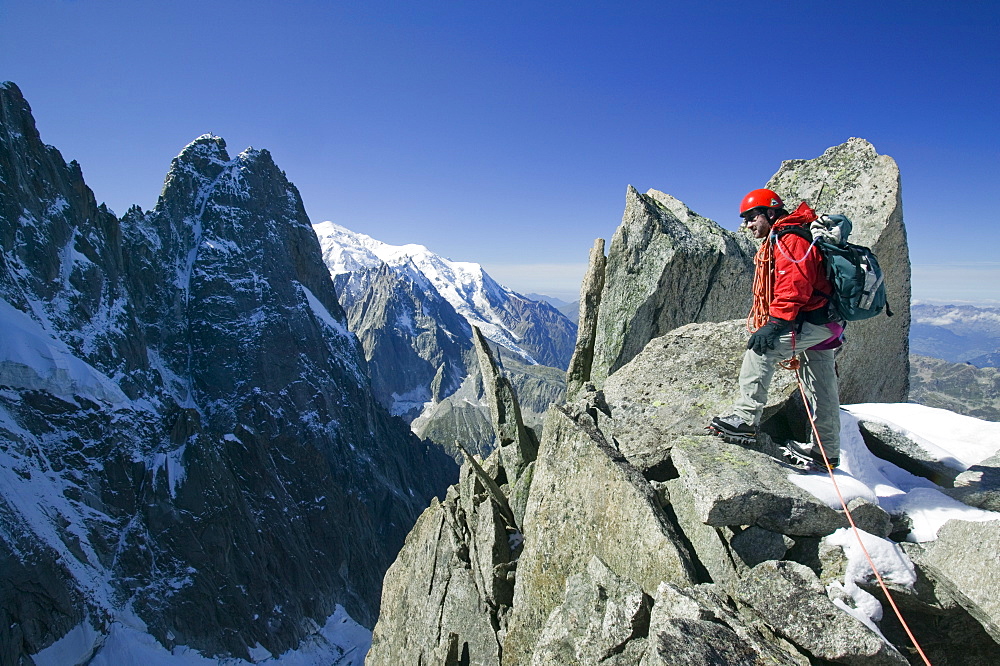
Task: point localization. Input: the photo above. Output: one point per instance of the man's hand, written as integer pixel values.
(766, 336)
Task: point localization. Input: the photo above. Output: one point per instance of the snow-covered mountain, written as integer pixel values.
(191, 453)
(413, 312)
(504, 316)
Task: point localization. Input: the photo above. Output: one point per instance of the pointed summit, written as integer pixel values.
(15, 113)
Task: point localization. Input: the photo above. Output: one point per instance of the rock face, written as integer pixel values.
(615, 614)
(790, 597)
(679, 381)
(645, 542)
(188, 434)
(964, 560)
(858, 182)
(666, 267)
(568, 520)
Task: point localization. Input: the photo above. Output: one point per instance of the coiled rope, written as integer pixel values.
(763, 286)
(795, 364)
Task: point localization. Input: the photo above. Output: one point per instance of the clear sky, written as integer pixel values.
(506, 132)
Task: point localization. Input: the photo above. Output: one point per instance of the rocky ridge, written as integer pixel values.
(189, 443)
(645, 541)
(672, 547)
(668, 266)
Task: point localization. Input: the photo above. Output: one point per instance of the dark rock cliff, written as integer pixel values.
(188, 435)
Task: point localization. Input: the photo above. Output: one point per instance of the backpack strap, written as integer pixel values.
(802, 231)
(796, 229)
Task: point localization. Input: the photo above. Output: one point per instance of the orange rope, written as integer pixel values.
(812, 421)
(763, 286)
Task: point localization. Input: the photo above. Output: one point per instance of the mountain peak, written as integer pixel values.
(206, 146)
(468, 288)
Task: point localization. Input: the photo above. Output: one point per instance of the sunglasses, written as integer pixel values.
(752, 213)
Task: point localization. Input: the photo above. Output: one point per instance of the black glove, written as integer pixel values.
(766, 336)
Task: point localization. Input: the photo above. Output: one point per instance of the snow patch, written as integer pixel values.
(955, 440)
(321, 313)
(862, 474)
(340, 642)
(417, 397)
(35, 359)
(76, 647)
(892, 564)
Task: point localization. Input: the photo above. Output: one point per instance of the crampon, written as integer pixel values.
(742, 440)
(803, 461)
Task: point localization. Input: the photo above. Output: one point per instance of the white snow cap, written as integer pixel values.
(465, 285)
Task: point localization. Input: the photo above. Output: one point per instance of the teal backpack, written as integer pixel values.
(853, 270)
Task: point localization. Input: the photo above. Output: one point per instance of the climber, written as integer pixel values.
(789, 319)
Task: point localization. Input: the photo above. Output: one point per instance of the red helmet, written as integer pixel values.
(761, 199)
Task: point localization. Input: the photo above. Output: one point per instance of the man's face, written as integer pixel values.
(756, 221)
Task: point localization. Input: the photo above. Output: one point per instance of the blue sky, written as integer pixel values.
(506, 132)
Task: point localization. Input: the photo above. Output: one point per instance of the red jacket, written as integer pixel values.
(798, 270)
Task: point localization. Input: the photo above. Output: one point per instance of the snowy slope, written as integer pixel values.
(956, 440)
(465, 285)
(35, 359)
(340, 642)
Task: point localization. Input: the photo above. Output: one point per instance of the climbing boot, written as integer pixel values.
(805, 455)
(733, 429)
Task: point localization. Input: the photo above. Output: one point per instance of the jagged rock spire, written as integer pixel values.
(517, 444)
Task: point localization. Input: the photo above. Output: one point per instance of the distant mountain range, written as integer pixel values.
(504, 316)
(571, 310)
(413, 311)
(956, 333)
(960, 387)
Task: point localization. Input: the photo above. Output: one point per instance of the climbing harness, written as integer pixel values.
(795, 364)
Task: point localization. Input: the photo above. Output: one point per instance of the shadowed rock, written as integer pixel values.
(979, 486)
(590, 301)
(897, 448)
(790, 598)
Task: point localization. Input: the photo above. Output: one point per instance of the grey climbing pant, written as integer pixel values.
(819, 377)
